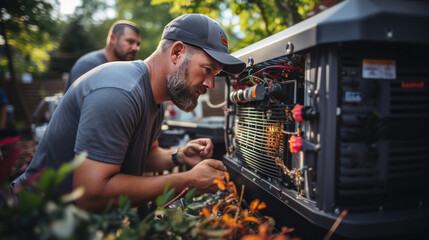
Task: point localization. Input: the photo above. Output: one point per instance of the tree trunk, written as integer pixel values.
(14, 94)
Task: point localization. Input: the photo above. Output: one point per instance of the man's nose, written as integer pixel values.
(209, 82)
(135, 47)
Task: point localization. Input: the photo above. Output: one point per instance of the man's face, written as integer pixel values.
(127, 45)
(192, 79)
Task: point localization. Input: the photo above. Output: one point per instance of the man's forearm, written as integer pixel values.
(159, 160)
(103, 182)
(139, 190)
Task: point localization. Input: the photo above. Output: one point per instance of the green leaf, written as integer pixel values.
(65, 169)
(192, 211)
(196, 205)
(156, 2)
(29, 201)
(216, 233)
(190, 195)
(169, 196)
(122, 201)
(160, 200)
(167, 186)
(45, 181)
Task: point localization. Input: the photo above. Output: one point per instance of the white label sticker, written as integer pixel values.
(353, 97)
(379, 69)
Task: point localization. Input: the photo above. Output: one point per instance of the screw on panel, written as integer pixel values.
(337, 211)
(289, 48)
(250, 62)
(389, 33)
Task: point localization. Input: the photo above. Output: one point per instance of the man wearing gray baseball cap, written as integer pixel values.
(117, 123)
(203, 32)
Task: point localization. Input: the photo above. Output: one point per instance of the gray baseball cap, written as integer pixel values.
(205, 33)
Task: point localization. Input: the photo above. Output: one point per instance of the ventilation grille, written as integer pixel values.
(259, 138)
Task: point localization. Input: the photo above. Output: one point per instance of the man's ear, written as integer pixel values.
(112, 38)
(177, 52)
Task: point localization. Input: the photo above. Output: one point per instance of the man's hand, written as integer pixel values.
(204, 173)
(195, 151)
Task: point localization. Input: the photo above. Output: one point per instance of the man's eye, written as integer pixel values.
(209, 70)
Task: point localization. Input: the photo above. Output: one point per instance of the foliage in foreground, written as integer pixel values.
(34, 213)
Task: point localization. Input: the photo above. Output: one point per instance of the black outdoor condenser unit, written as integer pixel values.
(332, 114)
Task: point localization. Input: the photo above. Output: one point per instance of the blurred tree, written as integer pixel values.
(27, 27)
(89, 9)
(73, 43)
(246, 21)
(150, 18)
(87, 32)
(83, 32)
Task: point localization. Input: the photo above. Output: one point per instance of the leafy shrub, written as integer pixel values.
(35, 213)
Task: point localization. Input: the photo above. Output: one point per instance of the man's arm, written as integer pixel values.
(103, 182)
(159, 159)
(194, 152)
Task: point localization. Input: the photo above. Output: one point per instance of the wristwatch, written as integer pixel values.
(174, 157)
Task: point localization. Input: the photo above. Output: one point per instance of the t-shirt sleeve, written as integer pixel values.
(78, 70)
(107, 122)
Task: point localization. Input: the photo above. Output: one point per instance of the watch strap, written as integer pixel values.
(174, 157)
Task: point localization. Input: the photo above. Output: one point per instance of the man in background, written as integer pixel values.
(122, 44)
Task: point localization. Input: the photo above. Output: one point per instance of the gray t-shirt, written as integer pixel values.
(110, 112)
(84, 64)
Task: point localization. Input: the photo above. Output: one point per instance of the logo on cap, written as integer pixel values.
(224, 41)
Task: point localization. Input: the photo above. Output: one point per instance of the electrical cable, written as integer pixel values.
(219, 105)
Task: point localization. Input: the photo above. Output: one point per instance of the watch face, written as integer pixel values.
(174, 157)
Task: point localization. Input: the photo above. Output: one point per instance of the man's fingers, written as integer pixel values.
(216, 164)
(194, 148)
(207, 142)
(203, 141)
(197, 148)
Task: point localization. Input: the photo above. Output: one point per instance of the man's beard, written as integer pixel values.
(120, 56)
(178, 89)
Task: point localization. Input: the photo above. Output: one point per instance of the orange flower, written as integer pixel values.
(262, 205)
(232, 188)
(257, 205)
(251, 219)
(254, 204)
(226, 177)
(230, 208)
(220, 184)
(206, 212)
(286, 230)
(216, 208)
(228, 220)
